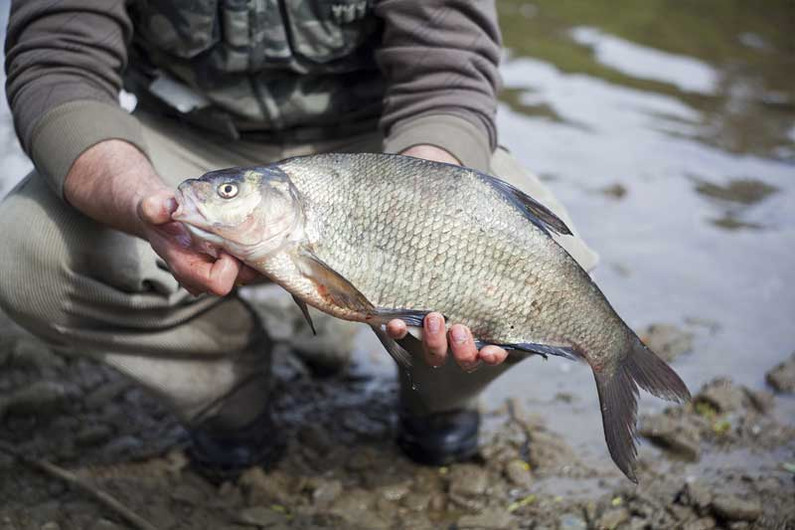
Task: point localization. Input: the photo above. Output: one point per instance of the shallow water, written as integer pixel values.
(668, 130)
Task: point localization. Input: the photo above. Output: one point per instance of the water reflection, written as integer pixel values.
(670, 131)
(731, 62)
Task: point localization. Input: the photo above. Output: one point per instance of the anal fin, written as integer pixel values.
(305, 311)
(398, 353)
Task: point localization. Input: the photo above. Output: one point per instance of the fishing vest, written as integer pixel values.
(295, 69)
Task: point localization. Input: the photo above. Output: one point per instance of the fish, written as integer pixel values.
(370, 237)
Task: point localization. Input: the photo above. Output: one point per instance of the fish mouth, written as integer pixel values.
(187, 208)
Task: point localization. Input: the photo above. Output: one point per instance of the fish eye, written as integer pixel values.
(227, 190)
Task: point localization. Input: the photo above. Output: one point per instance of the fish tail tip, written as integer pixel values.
(654, 375)
(618, 397)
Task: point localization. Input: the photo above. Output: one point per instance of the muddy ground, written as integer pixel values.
(724, 461)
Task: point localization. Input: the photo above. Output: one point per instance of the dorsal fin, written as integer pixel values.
(534, 211)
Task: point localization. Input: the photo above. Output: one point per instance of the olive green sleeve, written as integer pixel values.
(440, 60)
(64, 62)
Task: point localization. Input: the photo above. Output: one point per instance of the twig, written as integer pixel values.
(70, 478)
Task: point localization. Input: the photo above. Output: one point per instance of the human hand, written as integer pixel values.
(435, 337)
(196, 271)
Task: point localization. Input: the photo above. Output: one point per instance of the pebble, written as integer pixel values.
(733, 508)
(570, 521)
(52, 525)
(782, 377)
(326, 492)
(263, 489)
(670, 434)
(261, 516)
(395, 492)
(188, 494)
(493, 519)
(93, 434)
(416, 502)
(613, 518)
(41, 398)
(697, 495)
(705, 523)
(722, 395)
(667, 341)
(518, 473)
(105, 524)
(468, 484)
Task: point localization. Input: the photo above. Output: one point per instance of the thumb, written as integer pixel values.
(156, 208)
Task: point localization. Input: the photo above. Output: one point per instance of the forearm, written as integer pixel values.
(440, 61)
(108, 181)
(64, 61)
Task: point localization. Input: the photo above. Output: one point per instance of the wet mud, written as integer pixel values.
(726, 460)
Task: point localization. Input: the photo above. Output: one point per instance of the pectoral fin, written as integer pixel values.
(331, 285)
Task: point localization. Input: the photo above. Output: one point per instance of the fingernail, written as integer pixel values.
(460, 334)
(434, 323)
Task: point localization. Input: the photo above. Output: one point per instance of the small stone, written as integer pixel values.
(705, 523)
(41, 398)
(518, 473)
(395, 492)
(104, 524)
(613, 518)
(697, 495)
(356, 507)
(52, 525)
(492, 519)
(674, 436)
(93, 434)
(733, 508)
(264, 489)
(416, 521)
(437, 502)
(106, 393)
(761, 400)
(782, 377)
(667, 341)
(721, 395)
(570, 521)
(261, 516)
(188, 494)
(468, 484)
(326, 492)
(416, 502)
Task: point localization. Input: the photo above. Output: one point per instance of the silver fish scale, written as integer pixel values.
(417, 235)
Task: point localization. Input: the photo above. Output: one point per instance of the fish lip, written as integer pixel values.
(181, 213)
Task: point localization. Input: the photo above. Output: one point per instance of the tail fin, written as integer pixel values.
(618, 398)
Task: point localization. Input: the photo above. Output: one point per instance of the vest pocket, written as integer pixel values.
(325, 30)
(184, 28)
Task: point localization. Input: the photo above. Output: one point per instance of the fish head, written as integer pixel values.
(245, 211)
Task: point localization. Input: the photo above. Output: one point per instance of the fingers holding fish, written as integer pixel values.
(492, 355)
(434, 339)
(465, 352)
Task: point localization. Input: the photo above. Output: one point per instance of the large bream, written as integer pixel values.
(372, 237)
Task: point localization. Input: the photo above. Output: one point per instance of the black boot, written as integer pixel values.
(440, 438)
(220, 455)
